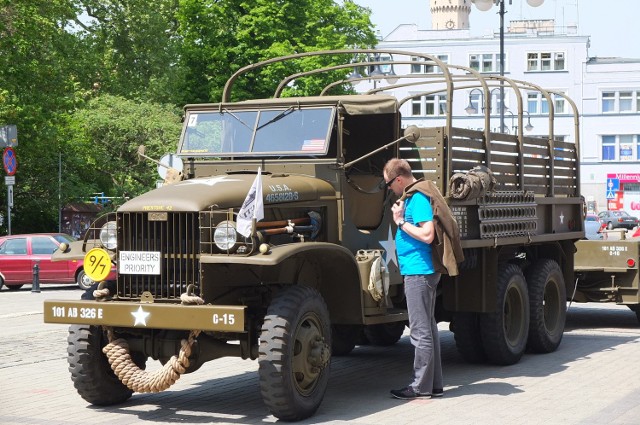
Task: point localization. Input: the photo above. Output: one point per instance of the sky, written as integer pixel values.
(612, 26)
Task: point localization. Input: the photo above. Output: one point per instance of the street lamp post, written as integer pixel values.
(484, 5)
(528, 126)
(380, 68)
(472, 110)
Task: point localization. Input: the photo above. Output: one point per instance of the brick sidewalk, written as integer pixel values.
(593, 378)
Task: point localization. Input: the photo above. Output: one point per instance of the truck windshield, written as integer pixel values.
(288, 131)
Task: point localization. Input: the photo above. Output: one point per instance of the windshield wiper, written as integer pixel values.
(226, 111)
(277, 117)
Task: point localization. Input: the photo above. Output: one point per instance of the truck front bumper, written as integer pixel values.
(222, 318)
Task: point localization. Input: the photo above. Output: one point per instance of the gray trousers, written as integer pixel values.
(420, 291)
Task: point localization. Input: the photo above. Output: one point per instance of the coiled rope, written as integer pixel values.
(137, 379)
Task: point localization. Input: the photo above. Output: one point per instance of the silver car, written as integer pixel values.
(618, 219)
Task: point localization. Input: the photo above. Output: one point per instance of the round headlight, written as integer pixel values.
(108, 235)
(225, 235)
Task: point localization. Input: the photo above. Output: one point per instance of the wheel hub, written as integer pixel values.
(319, 356)
(311, 355)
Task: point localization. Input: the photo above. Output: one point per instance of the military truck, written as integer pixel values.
(607, 271)
(316, 272)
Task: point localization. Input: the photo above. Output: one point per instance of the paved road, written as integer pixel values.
(593, 378)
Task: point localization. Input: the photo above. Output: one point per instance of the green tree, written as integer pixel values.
(134, 47)
(220, 36)
(38, 87)
(106, 134)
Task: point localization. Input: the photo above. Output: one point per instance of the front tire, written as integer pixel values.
(90, 370)
(548, 306)
(505, 331)
(295, 353)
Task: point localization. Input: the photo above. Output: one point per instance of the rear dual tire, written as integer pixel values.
(504, 332)
(530, 314)
(548, 305)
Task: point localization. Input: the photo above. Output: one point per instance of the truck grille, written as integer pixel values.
(176, 236)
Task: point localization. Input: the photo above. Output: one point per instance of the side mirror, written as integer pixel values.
(412, 134)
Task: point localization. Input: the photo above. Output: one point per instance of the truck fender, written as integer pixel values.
(338, 278)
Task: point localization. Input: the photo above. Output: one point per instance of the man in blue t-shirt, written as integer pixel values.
(414, 218)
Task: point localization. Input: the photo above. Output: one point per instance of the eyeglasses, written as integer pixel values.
(390, 182)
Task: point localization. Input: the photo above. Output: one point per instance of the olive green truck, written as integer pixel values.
(607, 271)
(274, 242)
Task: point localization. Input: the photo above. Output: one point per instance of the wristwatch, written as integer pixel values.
(401, 223)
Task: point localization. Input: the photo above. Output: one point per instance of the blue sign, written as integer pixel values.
(9, 161)
(613, 185)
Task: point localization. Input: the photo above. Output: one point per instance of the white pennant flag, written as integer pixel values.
(252, 207)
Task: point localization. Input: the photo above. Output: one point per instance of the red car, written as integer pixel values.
(19, 253)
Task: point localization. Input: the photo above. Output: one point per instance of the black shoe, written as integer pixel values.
(408, 393)
(437, 392)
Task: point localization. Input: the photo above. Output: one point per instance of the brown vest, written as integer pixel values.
(446, 250)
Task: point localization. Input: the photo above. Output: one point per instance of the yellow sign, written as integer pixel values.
(97, 264)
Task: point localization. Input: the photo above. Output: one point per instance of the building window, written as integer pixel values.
(486, 62)
(532, 103)
(416, 68)
(560, 104)
(608, 148)
(626, 147)
(608, 102)
(544, 105)
(442, 104)
(429, 67)
(627, 101)
(416, 106)
(538, 104)
(545, 61)
(474, 102)
(430, 106)
(622, 147)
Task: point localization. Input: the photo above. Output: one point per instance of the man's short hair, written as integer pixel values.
(398, 167)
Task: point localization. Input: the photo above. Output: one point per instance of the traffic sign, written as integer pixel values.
(97, 264)
(9, 180)
(9, 161)
(613, 185)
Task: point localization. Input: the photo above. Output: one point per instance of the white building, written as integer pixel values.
(606, 91)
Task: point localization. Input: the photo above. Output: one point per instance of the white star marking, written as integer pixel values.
(209, 182)
(140, 316)
(390, 247)
(561, 218)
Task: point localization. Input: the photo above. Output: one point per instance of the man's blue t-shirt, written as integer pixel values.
(414, 256)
